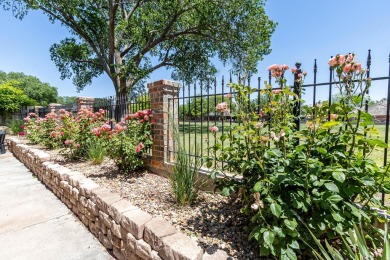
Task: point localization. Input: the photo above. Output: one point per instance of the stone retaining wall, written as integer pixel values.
(121, 227)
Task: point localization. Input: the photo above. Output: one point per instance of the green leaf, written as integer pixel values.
(258, 186)
(368, 181)
(294, 244)
(268, 237)
(377, 142)
(339, 176)
(291, 224)
(337, 217)
(331, 186)
(330, 124)
(276, 209)
(321, 150)
(334, 198)
(225, 191)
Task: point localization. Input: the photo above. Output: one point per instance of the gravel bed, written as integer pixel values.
(212, 219)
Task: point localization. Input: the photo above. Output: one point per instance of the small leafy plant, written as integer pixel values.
(16, 126)
(184, 179)
(96, 152)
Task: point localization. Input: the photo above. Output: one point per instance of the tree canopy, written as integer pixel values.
(12, 99)
(128, 40)
(42, 93)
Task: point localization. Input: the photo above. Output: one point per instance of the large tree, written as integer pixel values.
(129, 39)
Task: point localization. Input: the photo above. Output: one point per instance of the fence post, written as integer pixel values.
(297, 92)
(84, 102)
(161, 93)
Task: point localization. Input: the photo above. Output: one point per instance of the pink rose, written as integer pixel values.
(341, 59)
(332, 62)
(105, 128)
(293, 70)
(272, 67)
(221, 107)
(213, 129)
(347, 68)
(276, 91)
(228, 95)
(350, 57)
(304, 73)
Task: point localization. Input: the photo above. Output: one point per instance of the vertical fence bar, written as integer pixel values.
(195, 116)
(169, 129)
(330, 89)
(189, 117)
(387, 127)
(215, 116)
(208, 117)
(223, 100)
(183, 114)
(201, 119)
(315, 82)
(258, 94)
(366, 101)
(269, 78)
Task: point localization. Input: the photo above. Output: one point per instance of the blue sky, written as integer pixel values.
(306, 30)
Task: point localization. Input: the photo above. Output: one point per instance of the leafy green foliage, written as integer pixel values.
(42, 93)
(322, 179)
(129, 40)
(16, 126)
(12, 99)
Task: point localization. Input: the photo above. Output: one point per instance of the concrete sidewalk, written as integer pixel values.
(34, 224)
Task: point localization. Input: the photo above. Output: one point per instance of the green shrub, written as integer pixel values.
(16, 126)
(131, 141)
(322, 178)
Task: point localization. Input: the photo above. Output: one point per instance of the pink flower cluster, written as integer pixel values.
(346, 62)
(56, 134)
(277, 70)
(139, 147)
(213, 129)
(143, 115)
(120, 127)
(223, 108)
(105, 128)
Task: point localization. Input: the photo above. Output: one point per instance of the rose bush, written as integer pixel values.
(126, 143)
(321, 174)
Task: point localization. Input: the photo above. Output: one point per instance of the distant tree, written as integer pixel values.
(128, 40)
(204, 106)
(42, 93)
(12, 99)
(66, 100)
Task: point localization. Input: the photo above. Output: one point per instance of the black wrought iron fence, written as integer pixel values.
(119, 106)
(195, 109)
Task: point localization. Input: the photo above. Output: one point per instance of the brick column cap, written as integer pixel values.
(163, 82)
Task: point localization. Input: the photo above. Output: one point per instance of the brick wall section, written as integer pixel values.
(160, 92)
(84, 102)
(121, 227)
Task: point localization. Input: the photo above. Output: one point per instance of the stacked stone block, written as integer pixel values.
(120, 226)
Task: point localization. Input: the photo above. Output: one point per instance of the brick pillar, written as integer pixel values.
(84, 102)
(160, 92)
